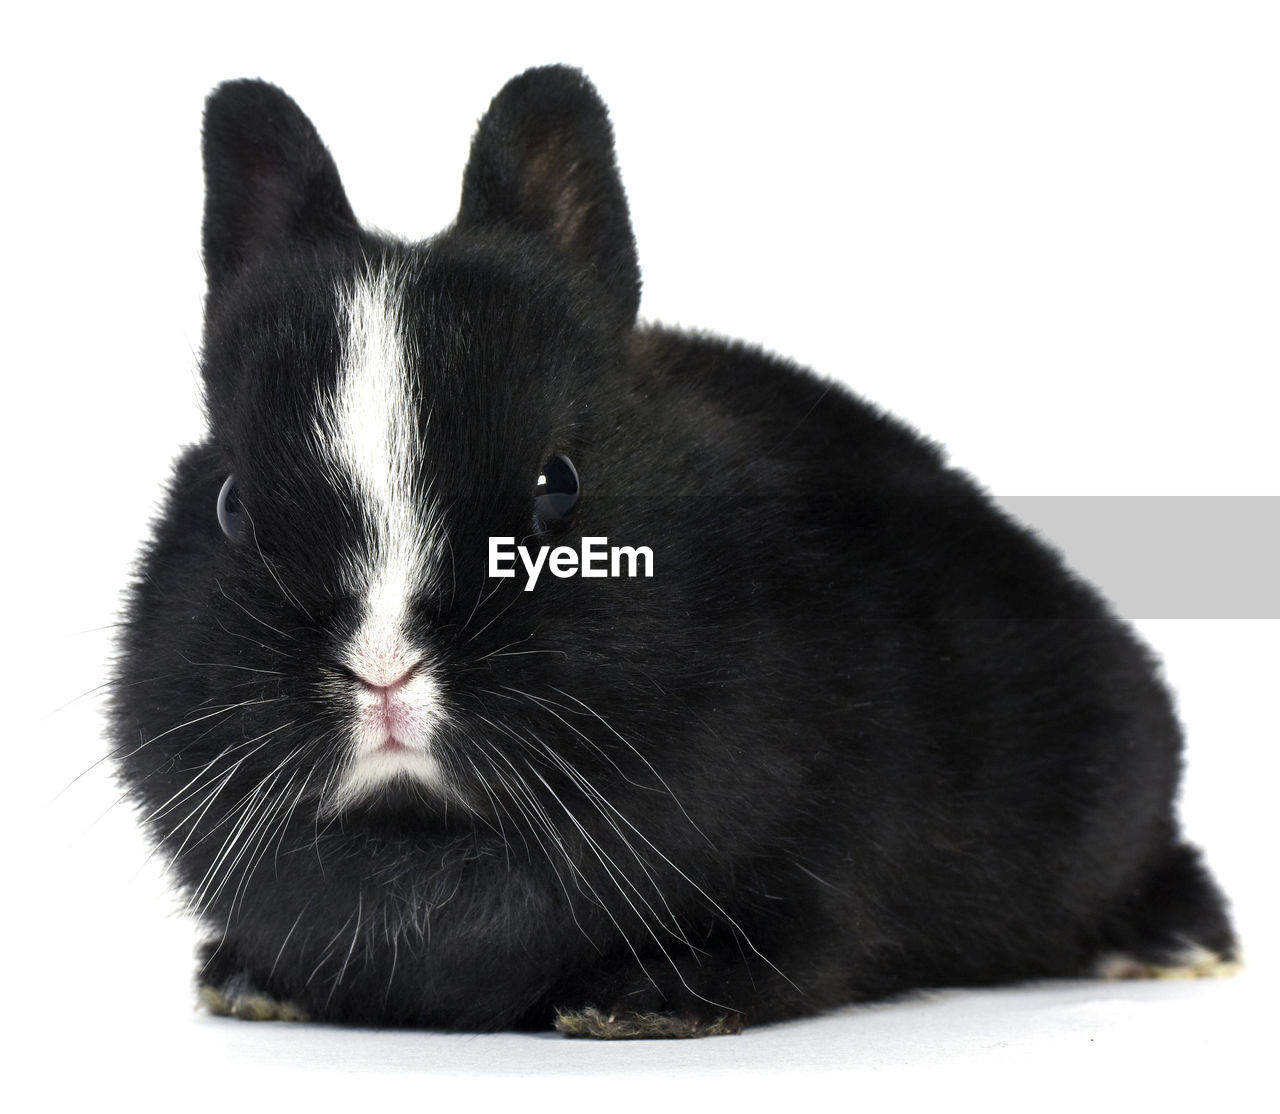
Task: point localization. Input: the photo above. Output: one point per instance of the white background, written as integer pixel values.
(1046, 234)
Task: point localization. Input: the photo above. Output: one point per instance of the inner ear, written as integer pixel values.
(556, 192)
(542, 164)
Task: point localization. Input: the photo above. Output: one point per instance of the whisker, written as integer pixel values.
(601, 802)
(287, 937)
(289, 596)
(515, 600)
(634, 750)
(588, 789)
(275, 630)
(111, 684)
(227, 665)
(355, 935)
(481, 599)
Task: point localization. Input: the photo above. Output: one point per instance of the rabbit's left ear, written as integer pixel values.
(270, 184)
(542, 164)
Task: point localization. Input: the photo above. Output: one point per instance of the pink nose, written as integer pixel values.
(391, 687)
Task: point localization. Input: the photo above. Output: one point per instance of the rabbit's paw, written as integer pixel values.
(1194, 963)
(635, 1025)
(238, 997)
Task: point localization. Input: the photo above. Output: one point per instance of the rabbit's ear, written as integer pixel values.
(269, 181)
(542, 164)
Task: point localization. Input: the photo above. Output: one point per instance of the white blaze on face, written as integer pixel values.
(370, 430)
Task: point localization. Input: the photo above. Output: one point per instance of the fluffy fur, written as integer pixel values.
(859, 733)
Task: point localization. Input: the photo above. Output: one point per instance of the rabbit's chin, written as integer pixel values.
(391, 770)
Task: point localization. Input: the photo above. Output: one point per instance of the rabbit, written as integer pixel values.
(846, 732)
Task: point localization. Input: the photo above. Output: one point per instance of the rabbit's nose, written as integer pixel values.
(379, 687)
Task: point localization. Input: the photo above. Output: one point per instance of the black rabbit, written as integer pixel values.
(826, 727)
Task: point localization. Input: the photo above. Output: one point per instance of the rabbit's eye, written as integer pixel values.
(555, 493)
(231, 516)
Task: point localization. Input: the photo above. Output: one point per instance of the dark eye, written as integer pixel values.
(231, 516)
(555, 493)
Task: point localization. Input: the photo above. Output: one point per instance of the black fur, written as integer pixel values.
(859, 733)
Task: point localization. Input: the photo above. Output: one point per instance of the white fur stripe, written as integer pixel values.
(370, 432)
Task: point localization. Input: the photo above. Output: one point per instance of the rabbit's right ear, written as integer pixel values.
(269, 181)
(542, 164)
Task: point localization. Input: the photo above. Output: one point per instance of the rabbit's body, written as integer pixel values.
(857, 733)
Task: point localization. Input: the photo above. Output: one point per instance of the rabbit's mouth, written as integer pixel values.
(395, 717)
(395, 708)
